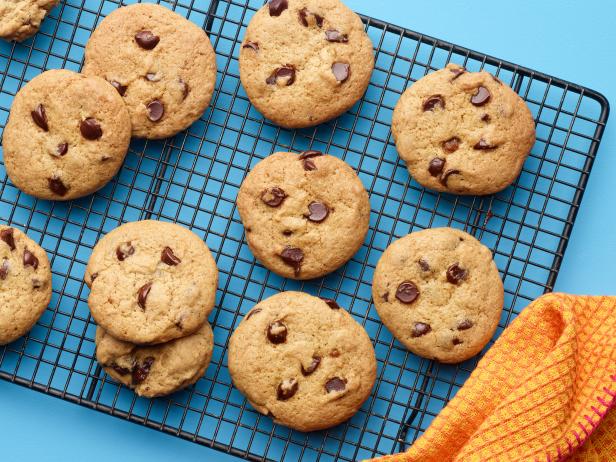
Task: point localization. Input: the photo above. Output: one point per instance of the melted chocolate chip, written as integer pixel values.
(308, 154)
(141, 371)
(4, 269)
(483, 145)
(304, 16)
(155, 110)
(168, 257)
(485, 118)
(40, 117)
(146, 39)
(252, 312)
(420, 329)
(317, 212)
(445, 176)
(123, 251)
(331, 303)
(276, 7)
(57, 186)
(452, 144)
(30, 260)
(342, 71)
(332, 35)
(314, 364)
(465, 324)
(277, 332)
(457, 73)
(386, 296)
(142, 294)
(481, 97)
(306, 158)
(119, 369)
(118, 86)
(457, 341)
(252, 45)
(335, 384)
(287, 389)
(423, 264)
(90, 129)
(287, 232)
(185, 89)
(7, 236)
(293, 257)
(62, 149)
(434, 102)
(436, 166)
(407, 292)
(273, 197)
(285, 74)
(455, 273)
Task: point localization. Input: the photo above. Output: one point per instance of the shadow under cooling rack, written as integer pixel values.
(193, 179)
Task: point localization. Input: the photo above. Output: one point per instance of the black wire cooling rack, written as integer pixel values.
(193, 178)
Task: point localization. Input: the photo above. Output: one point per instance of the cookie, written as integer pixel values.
(305, 214)
(302, 360)
(157, 370)
(162, 65)
(439, 292)
(151, 282)
(25, 283)
(66, 137)
(463, 132)
(20, 19)
(304, 62)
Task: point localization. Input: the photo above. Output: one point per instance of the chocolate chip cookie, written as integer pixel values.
(439, 292)
(20, 19)
(302, 360)
(162, 65)
(151, 282)
(25, 283)
(66, 137)
(303, 62)
(463, 132)
(156, 370)
(305, 214)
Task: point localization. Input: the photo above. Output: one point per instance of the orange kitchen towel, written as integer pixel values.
(541, 393)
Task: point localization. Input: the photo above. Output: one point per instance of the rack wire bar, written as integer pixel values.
(193, 179)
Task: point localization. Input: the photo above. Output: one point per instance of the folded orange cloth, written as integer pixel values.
(538, 394)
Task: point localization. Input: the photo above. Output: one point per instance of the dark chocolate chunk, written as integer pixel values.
(457, 341)
(7, 236)
(4, 269)
(436, 166)
(452, 144)
(332, 35)
(90, 129)
(342, 71)
(457, 73)
(445, 176)
(252, 312)
(57, 186)
(93, 276)
(287, 232)
(308, 154)
(483, 145)
(274, 197)
(276, 7)
(331, 303)
(285, 73)
(407, 292)
(293, 257)
(142, 294)
(335, 384)
(287, 389)
(455, 273)
(40, 117)
(141, 371)
(485, 117)
(386, 296)
(118, 86)
(62, 149)
(168, 257)
(156, 110)
(465, 324)
(30, 260)
(314, 364)
(304, 16)
(252, 45)
(434, 102)
(481, 97)
(306, 158)
(120, 370)
(146, 39)
(420, 329)
(423, 264)
(317, 212)
(123, 251)
(185, 89)
(277, 332)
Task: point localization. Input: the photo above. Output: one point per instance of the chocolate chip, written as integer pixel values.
(481, 97)
(90, 129)
(342, 71)
(309, 154)
(57, 186)
(62, 149)
(123, 251)
(434, 102)
(483, 145)
(37, 283)
(304, 16)
(141, 371)
(485, 117)
(119, 369)
(30, 260)
(252, 312)
(118, 86)
(142, 294)
(420, 329)
(332, 35)
(40, 117)
(465, 324)
(331, 303)
(4, 269)
(276, 7)
(252, 45)
(334, 353)
(445, 176)
(317, 212)
(153, 77)
(335, 384)
(436, 165)
(287, 232)
(277, 332)
(156, 110)
(452, 144)
(274, 197)
(168, 257)
(316, 360)
(146, 39)
(287, 389)
(423, 264)
(407, 292)
(93, 276)
(386, 296)
(457, 73)
(185, 89)
(455, 273)
(285, 73)
(7, 236)
(457, 341)
(293, 257)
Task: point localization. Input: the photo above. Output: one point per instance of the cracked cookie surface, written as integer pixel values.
(157, 370)
(463, 132)
(25, 283)
(162, 64)
(440, 294)
(305, 214)
(151, 282)
(303, 62)
(302, 360)
(20, 19)
(66, 137)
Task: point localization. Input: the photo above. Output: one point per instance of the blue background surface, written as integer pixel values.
(555, 37)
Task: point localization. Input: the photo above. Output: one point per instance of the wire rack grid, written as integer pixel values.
(193, 179)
